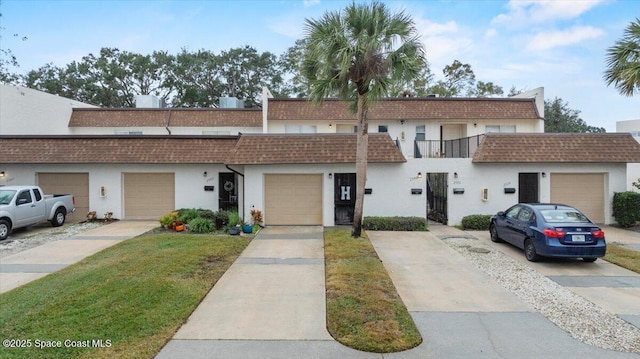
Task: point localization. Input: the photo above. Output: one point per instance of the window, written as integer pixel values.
(502, 129)
(37, 194)
(346, 129)
(23, 198)
(300, 129)
(525, 215)
(383, 128)
(420, 133)
(513, 212)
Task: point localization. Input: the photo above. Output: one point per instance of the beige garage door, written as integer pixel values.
(584, 191)
(148, 195)
(76, 184)
(293, 199)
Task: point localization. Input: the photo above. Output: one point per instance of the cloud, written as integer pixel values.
(524, 12)
(308, 3)
(547, 40)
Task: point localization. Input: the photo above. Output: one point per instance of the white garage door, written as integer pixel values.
(585, 191)
(76, 184)
(148, 195)
(293, 199)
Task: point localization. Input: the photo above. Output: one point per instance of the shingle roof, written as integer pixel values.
(174, 117)
(116, 149)
(558, 147)
(312, 148)
(407, 109)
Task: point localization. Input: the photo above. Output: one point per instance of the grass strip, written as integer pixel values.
(623, 257)
(133, 297)
(364, 310)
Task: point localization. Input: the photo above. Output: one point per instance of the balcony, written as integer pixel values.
(458, 148)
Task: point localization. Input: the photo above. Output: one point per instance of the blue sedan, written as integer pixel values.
(549, 230)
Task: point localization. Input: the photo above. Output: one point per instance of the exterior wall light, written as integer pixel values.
(455, 174)
(204, 174)
(2, 174)
(419, 175)
(330, 175)
(544, 175)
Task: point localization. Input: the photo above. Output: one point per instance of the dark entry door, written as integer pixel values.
(228, 192)
(344, 197)
(528, 188)
(437, 197)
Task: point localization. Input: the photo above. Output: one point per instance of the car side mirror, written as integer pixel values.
(501, 214)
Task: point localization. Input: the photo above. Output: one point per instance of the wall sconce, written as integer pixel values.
(330, 125)
(544, 175)
(2, 174)
(204, 174)
(455, 174)
(419, 175)
(475, 125)
(103, 192)
(330, 175)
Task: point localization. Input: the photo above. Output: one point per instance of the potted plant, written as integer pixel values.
(234, 223)
(247, 228)
(178, 226)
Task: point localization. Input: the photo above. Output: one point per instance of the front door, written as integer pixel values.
(528, 188)
(437, 188)
(228, 192)
(344, 197)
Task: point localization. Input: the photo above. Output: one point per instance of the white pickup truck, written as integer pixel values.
(22, 206)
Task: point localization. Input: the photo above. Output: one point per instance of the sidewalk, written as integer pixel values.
(26, 266)
(271, 304)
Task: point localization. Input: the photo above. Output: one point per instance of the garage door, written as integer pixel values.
(584, 191)
(293, 199)
(148, 195)
(76, 184)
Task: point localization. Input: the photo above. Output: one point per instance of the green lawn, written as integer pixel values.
(624, 257)
(364, 311)
(132, 296)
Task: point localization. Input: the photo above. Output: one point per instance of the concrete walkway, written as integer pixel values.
(29, 265)
(271, 304)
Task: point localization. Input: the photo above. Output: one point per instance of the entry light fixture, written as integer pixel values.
(2, 174)
(544, 175)
(330, 125)
(330, 175)
(204, 174)
(419, 175)
(455, 174)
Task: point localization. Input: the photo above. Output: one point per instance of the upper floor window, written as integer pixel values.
(502, 128)
(383, 128)
(300, 129)
(420, 133)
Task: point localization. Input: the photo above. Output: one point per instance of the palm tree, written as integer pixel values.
(623, 61)
(357, 53)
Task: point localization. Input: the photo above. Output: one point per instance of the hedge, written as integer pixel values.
(479, 222)
(395, 223)
(626, 208)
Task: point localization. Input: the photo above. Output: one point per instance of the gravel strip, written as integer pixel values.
(574, 314)
(11, 246)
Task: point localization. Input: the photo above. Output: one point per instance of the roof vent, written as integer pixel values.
(433, 95)
(149, 101)
(231, 102)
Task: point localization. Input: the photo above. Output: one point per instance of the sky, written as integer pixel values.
(559, 45)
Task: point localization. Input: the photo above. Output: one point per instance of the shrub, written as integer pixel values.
(221, 219)
(626, 208)
(168, 220)
(395, 223)
(186, 215)
(479, 222)
(234, 218)
(208, 214)
(201, 225)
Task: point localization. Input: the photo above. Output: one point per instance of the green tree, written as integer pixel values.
(460, 80)
(358, 53)
(559, 117)
(623, 61)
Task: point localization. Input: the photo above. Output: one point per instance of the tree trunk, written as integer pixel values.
(362, 144)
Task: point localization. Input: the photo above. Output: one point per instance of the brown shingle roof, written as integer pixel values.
(313, 148)
(558, 147)
(176, 117)
(407, 109)
(115, 149)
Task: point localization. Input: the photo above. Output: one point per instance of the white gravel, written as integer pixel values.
(574, 314)
(24, 240)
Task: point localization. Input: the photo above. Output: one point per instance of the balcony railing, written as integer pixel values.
(458, 148)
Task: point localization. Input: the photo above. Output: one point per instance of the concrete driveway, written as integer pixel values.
(611, 287)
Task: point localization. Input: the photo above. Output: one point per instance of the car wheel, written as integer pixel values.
(589, 260)
(5, 228)
(530, 251)
(58, 217)
(494, 234)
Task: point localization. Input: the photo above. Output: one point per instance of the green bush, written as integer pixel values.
(234, 218)
(626, 208)
(208, 214)
(479, 222)
(221, 218)
(395, 223)
(201, 225)
(186, 215)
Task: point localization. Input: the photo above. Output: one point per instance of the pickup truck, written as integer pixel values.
(22, 206)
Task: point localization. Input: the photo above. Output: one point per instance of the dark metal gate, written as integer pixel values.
(344, 197)
(228, 192)
(437, 197)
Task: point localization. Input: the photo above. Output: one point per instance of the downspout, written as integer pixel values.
(168, 121)
(243, 198)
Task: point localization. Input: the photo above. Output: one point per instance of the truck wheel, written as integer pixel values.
(58, 217)
(5, 228)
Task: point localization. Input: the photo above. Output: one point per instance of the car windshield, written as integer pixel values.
(6, 196)
(563, 215)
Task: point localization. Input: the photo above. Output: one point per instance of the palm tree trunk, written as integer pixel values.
(362, 145)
